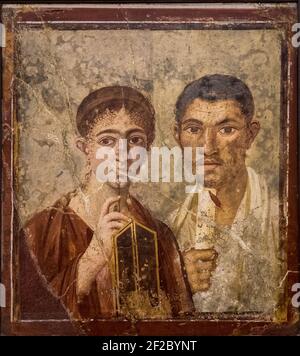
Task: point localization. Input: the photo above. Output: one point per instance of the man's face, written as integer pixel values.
(107, 132)
(221, 128)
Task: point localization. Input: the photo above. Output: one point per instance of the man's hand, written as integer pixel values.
(199, 266)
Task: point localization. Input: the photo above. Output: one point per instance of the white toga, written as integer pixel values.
(249, 266)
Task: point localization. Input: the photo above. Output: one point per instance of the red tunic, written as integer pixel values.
(57, 237)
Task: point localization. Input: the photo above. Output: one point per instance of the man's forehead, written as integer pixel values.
(205, 108)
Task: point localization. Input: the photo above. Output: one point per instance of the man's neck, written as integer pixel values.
(230, 197)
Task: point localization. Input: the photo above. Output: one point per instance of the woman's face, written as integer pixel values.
(107, 132)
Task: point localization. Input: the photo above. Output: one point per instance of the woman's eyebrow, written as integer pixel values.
(107, 131)
(135, 130)
(115, 131)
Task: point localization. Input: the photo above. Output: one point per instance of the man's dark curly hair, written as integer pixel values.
(214, 88)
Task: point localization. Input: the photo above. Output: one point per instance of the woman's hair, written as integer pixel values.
(113, 99)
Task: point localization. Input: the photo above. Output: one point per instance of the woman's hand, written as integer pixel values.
(99, 252)
(109, 223)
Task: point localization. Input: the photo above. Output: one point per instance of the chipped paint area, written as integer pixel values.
(59, 68)
(56, 69)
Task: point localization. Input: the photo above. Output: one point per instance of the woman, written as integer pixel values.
(71, 242)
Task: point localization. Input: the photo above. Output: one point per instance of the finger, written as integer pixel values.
(201, 275)
(204, 275)
(189, 256)
(129, 202)
(199, 286)
(204, 255)
(205, 265)
(105, 207)
(203, 286)
(117, 216)
(214, 264)
(115, 225)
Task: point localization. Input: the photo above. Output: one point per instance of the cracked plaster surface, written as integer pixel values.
(58, 68)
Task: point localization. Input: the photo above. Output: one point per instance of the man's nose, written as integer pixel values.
(210, 144)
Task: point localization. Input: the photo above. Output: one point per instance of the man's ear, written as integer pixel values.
(176, 133)
(253, 130)
(81, 145)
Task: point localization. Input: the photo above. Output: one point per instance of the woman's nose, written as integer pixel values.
(121, 149)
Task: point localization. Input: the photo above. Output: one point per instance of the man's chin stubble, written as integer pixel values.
(213, 182)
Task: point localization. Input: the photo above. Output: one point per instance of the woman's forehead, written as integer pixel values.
(119, 122)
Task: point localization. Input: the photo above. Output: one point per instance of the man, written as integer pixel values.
(71, 242)
(227, 232)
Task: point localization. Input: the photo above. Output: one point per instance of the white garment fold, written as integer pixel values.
(248, 268)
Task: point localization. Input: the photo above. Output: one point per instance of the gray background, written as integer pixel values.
(57, 69)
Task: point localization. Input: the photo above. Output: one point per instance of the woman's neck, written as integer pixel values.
(88, 201)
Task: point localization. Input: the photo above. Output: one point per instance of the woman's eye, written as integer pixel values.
(136, 140)
(107, 141)
(227, 130)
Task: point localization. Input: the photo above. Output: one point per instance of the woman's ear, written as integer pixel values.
(81, 145)
(253, 130)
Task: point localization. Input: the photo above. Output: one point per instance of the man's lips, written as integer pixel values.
(212, 163)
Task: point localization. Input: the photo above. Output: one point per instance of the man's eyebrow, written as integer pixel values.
(227, 120)
(192, 120)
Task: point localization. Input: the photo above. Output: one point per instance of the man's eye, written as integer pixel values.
(193, 129)
(136, 140)
(227, 130)
(107, 141)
